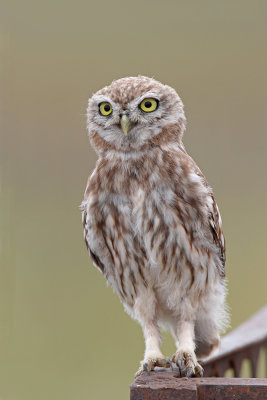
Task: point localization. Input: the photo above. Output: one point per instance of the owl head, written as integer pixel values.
(134, 113)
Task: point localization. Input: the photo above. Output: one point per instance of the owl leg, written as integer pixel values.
(185, 357)
(145, 313)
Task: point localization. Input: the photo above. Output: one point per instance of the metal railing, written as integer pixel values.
(243, 343)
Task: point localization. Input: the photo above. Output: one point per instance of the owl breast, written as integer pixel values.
(143, 226)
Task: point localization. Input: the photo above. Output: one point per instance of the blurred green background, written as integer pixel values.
(64, 334)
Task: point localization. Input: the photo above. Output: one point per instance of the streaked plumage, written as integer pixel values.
(151, 224)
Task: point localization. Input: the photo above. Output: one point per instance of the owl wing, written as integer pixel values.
(97, 262)
(217, 233)
(215, 221)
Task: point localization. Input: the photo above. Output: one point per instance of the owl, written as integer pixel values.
(151, 224)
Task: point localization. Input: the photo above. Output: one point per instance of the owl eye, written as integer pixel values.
(149, 105)
(105, 108)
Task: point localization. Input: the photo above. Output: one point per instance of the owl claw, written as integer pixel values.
(170, 363)
(189, 372)
(180, 367)
(200, 370)
(187, 364)
(145, 365)
(149, 364)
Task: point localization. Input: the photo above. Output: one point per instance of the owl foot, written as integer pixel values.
(149, 364)
(187, 364)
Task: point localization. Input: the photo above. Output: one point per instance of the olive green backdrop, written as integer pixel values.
(63, 333)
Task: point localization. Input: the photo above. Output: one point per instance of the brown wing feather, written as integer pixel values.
(215, 223)
(216, 227)
(96, 260)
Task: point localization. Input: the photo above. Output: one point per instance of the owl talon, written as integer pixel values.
(180, 367)
(146, 367)
(149, 365)
(170, 363)
(189, 373)
(199, 371)
(187, 364)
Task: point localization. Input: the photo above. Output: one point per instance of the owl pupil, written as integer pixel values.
(148, 104)
(107, 107)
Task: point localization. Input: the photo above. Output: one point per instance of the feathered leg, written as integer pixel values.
(145, 311)
(185, 357)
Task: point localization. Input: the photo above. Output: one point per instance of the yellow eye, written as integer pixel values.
(105, 108)
(149, 105)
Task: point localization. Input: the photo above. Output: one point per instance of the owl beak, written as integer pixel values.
(125, 124)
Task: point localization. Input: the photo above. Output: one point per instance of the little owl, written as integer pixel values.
(151, 224)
